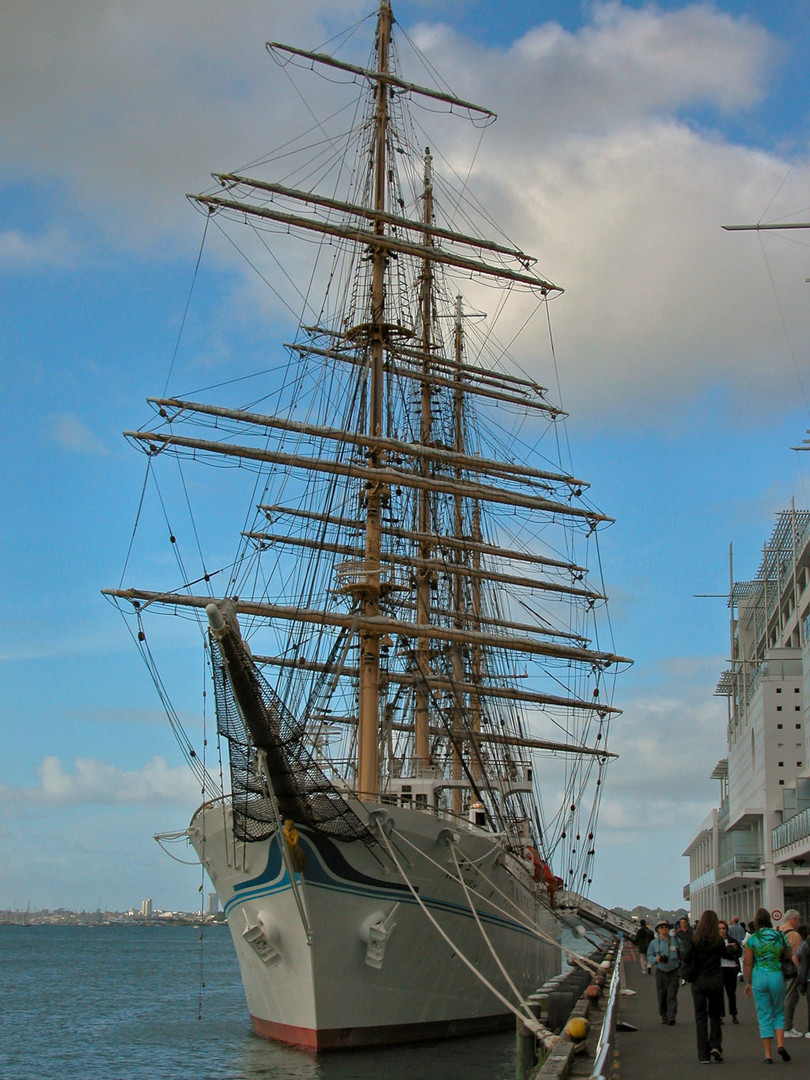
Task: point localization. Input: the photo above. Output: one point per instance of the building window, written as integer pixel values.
(778, 708)
(781, 764)
(779, 726)
(779, 689)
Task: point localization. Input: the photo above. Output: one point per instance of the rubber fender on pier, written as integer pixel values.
(560, 1004)
(577, 1028)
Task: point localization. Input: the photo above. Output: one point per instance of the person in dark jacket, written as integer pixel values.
(701, 966)
(730, 968)
(803, 956)
(683, 932)
(644, 936)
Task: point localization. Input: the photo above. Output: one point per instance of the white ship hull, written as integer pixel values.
(316, 976)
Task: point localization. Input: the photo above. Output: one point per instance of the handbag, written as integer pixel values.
(786, 960)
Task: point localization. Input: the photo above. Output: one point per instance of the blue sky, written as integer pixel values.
(632, 133)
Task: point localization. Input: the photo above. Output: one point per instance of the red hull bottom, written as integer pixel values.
(383, 1035)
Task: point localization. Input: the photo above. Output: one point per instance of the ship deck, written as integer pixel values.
(656, 1052)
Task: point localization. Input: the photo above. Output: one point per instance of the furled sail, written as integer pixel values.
(252, 717)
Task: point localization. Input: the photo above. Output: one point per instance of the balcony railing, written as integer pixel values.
(704, 881)
(791, 831)
(740, 864)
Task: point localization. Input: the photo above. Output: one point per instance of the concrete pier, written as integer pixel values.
(658, 1052)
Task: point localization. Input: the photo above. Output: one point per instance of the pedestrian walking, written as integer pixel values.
(702, 958)
(790, 928)
(664, 956)
(762, 966)
(683, 933)
(644, 936)
(803, 957)
(730, 968)
(739, 932)
(736, 929)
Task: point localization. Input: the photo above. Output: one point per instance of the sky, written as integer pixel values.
(632, 132)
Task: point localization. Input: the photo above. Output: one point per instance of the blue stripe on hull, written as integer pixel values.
(274, 879)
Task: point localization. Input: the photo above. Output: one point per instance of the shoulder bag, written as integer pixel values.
(786, 960)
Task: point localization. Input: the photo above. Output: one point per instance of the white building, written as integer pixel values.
(754, 850)
(146, 909)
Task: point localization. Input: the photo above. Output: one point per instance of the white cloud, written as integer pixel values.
(21, 251)
(634, 60)
(621, 194)
(73, 434)
(94, 782)
(668, 741)
(132, 105)
(658, 792)
(618, 194)
(661, 302)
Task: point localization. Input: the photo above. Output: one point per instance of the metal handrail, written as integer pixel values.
(793, 830)
(604, 1045)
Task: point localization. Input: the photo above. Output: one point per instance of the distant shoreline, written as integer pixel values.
(95, 919)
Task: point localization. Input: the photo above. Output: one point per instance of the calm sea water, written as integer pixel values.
(125, 1002)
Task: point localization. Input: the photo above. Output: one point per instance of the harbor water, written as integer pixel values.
(123, 1002)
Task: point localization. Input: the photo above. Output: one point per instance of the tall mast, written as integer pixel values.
(369, 697)
(477, 657)
(421, 695)
(458, 584)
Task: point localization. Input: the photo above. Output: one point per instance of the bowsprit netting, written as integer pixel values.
(251, 716)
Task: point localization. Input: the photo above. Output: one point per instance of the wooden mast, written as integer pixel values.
(376, 490)
(458, 584)
(421, 751)
(477, 657)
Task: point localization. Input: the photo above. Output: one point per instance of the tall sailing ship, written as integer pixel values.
(408, 617)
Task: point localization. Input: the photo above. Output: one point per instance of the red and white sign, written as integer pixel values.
(776, 915)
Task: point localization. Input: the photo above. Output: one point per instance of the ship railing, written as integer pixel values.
(209, 804)
(357, 574)
(603, 1055)
(416, 801)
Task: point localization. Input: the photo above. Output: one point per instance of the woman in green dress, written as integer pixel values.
(763, 977)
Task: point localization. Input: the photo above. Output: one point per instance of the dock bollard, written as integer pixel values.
(525, 1050)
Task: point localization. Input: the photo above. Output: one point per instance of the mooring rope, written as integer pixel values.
(485, 936)
(574, 958)
(531, 1023)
